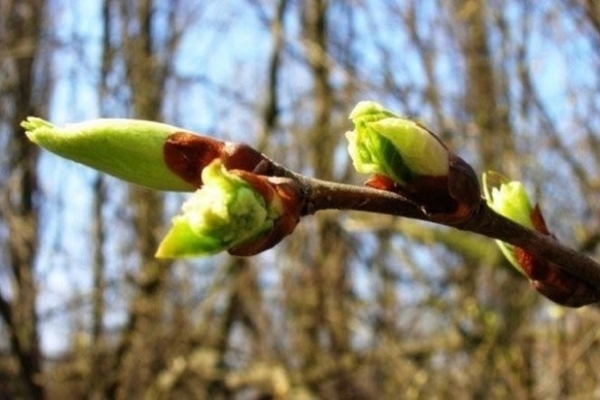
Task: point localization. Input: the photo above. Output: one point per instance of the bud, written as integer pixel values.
(129, 149)
(406, 158)
(512, 201)
(384, 143)
(233, 210)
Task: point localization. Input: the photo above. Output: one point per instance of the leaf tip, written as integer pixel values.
(34, 127)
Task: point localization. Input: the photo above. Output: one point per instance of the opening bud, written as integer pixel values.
(387, 144)
(510, 199)
(233, 210)
(406, 158)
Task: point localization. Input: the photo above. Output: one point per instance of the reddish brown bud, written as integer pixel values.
(449, 199)
(187, 154)
(555, 283)
(243, 157)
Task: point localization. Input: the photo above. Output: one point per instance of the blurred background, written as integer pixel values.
(351, 306)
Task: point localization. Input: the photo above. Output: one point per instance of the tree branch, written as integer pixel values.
(322, 195)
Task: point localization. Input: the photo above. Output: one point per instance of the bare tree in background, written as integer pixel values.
(486, 104)
(22, 94)
(323, 277)
(350, 305)
(146, 59)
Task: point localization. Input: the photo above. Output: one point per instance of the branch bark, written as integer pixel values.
(323, 195)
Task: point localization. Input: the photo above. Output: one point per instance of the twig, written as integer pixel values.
(322, 195)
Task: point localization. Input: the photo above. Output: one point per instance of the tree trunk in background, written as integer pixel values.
(20, 38)
(322, 288)
(138, 357)
(484, 99)
(487, 108)
(100, 368)
(271, 108)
